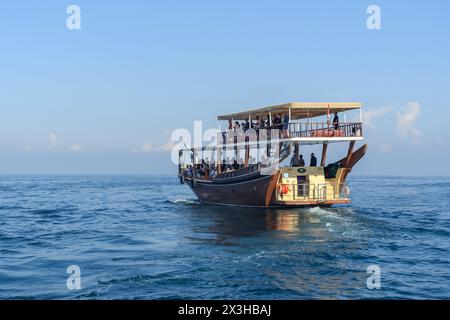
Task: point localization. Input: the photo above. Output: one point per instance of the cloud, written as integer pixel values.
(75, 148)
(147, 147)
(52, 138)
(27, 147)
(370, 115)
(167, 147)
(406, 121)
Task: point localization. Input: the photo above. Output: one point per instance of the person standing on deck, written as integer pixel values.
(295, 161)
(302, 162)
(285, 125)
(313, 160)
(258, 123)
(336, 121)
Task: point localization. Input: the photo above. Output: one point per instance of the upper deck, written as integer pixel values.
(307, 122)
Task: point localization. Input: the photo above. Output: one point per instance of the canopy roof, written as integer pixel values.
(299, 110)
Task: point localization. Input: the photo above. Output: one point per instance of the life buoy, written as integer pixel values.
(284, 189)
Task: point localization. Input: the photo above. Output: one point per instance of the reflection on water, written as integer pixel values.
(226, 224)
(287, 221)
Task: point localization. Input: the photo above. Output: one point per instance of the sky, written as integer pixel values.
(105, 98)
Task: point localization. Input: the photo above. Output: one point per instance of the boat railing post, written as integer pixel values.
(293, 191)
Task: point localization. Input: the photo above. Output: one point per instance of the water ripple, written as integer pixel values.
(147, 237)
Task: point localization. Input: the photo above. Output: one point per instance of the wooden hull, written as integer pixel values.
(255, 192)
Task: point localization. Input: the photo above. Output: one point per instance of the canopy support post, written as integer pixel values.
(247, 151)
(324, 154)
(219, 159)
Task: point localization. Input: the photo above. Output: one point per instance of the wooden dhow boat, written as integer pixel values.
(245, 165)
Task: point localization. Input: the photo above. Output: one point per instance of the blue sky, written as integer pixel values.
(105, 99)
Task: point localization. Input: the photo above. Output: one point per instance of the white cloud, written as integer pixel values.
(147, 147)
(27, 147)
(370, 115)
(166, 147)
(52, 138)
(75, 148)
(406, 121)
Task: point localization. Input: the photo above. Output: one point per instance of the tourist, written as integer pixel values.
(286, 125)
(313, 160)
(336, 121)
(302, 162)
(237, 126)
(295, 161)
(235, 165)
(247, 125)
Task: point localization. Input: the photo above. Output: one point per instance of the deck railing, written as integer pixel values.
(302, 130)
(348, 129)
(309, 191)
(252, 168)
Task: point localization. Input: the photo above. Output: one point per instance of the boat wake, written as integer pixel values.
(184, 202)
(334, 213)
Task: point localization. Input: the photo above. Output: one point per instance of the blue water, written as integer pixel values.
(146, 237)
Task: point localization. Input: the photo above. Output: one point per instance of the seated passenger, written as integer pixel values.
(223, 166)
(235, 165)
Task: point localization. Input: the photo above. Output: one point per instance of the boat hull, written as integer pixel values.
(256, 192)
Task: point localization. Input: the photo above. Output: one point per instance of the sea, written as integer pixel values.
(148, 237)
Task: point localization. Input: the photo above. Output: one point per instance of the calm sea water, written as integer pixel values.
(146, 237)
